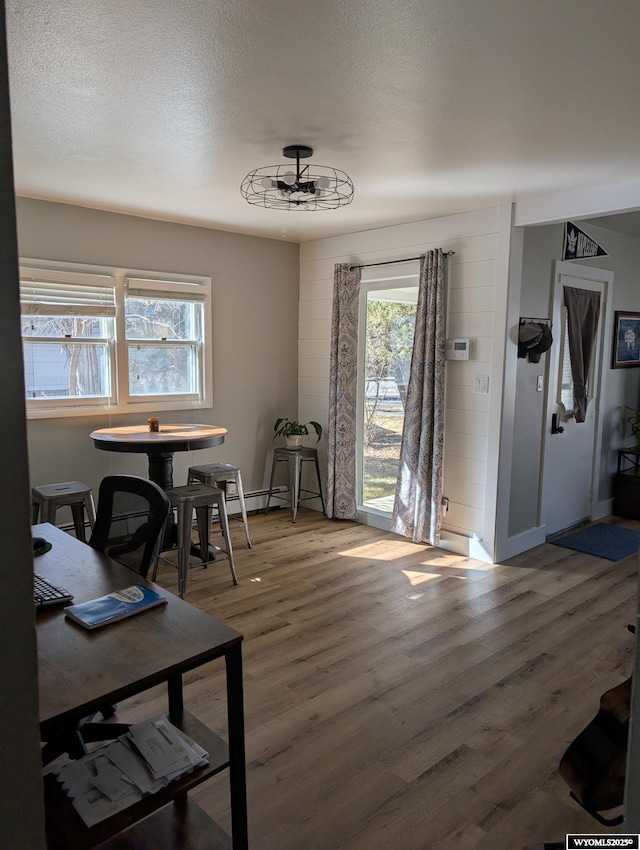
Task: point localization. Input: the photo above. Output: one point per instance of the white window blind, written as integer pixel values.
(76, 295)
(168, 290)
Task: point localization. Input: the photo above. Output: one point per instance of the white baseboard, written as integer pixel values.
(471, 547)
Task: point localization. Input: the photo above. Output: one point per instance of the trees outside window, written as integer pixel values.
(389, 334)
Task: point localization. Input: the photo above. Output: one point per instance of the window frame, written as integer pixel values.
(189, 291)
(190, 287)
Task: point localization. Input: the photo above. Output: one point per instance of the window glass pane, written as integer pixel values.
(66, 370)
(566, 379)
(390, 327)
(160, 318)
(163, 369)
(90, 327)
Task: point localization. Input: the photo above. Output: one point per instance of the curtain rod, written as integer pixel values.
(445, 254)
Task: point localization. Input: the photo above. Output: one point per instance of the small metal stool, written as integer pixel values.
(295, 459)
(217, 475)
(47, 498)
(202, 499)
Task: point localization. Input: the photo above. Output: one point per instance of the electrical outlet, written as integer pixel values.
(231, 488)
(540, 383)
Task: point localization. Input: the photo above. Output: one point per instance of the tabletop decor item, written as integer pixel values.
(293, 431)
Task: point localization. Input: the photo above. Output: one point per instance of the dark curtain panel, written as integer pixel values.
(583, 313)
(343, 386)
(417, 510)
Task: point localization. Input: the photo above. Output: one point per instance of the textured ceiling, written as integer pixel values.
(160, 107)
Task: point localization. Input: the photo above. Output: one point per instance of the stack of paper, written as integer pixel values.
(147, 758)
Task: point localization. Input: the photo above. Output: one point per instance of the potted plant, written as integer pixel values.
(293, 431)
(635, 423)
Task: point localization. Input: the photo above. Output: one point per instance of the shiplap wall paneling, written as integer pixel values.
(471, 282)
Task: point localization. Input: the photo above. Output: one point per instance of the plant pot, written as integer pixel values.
(294, 441)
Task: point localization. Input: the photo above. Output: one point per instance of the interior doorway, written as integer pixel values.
(571, 450)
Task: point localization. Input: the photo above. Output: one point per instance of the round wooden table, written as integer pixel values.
(159, 446)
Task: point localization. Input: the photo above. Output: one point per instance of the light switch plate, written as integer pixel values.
(481, 383)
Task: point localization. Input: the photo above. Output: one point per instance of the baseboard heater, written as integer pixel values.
(255, 502)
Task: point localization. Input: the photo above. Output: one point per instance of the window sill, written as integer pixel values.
(111, 409)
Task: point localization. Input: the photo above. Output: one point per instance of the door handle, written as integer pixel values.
(555, 428)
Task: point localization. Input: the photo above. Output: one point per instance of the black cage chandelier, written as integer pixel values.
(278, 187)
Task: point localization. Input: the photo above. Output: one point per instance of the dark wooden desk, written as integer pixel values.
(80, 670)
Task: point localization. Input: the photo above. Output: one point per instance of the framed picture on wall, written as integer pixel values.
(626, 340)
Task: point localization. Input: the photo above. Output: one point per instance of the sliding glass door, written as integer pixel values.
(387, 322)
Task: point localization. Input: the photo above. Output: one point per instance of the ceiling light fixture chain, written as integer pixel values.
(317, 187)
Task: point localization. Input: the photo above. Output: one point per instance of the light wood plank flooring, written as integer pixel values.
(399, 697)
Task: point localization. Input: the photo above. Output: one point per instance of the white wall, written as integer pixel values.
(254, 311)
(477, 278)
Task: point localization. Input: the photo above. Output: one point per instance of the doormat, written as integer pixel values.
(613, 542)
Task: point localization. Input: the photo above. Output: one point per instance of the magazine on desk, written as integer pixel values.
(114, 606)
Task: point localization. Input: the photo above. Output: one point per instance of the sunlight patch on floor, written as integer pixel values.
(439, 559)
(459, 562)
(416, 578)
(391, 550)
(384, 550)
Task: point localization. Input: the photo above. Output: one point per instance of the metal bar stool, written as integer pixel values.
(217, 475)
(202, 499)
(295, 458)
(47, 498)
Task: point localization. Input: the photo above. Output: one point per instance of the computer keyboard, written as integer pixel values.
(45, 593)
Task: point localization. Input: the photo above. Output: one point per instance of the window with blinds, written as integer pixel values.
(68, 338)
(113, 340)
(165, 341)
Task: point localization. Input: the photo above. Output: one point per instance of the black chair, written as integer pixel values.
(129, 528)
(130, 521)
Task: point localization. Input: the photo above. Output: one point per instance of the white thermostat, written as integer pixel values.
(456, 349)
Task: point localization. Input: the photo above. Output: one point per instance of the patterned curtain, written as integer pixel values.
(417, 509)
(343, 385)
(583, 313)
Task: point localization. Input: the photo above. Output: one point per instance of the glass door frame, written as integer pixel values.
(375, 278)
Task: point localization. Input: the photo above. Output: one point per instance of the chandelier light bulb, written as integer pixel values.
(289, 178)
(267, 183)
(322, 182)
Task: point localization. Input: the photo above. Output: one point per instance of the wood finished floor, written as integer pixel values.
(398, 697)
